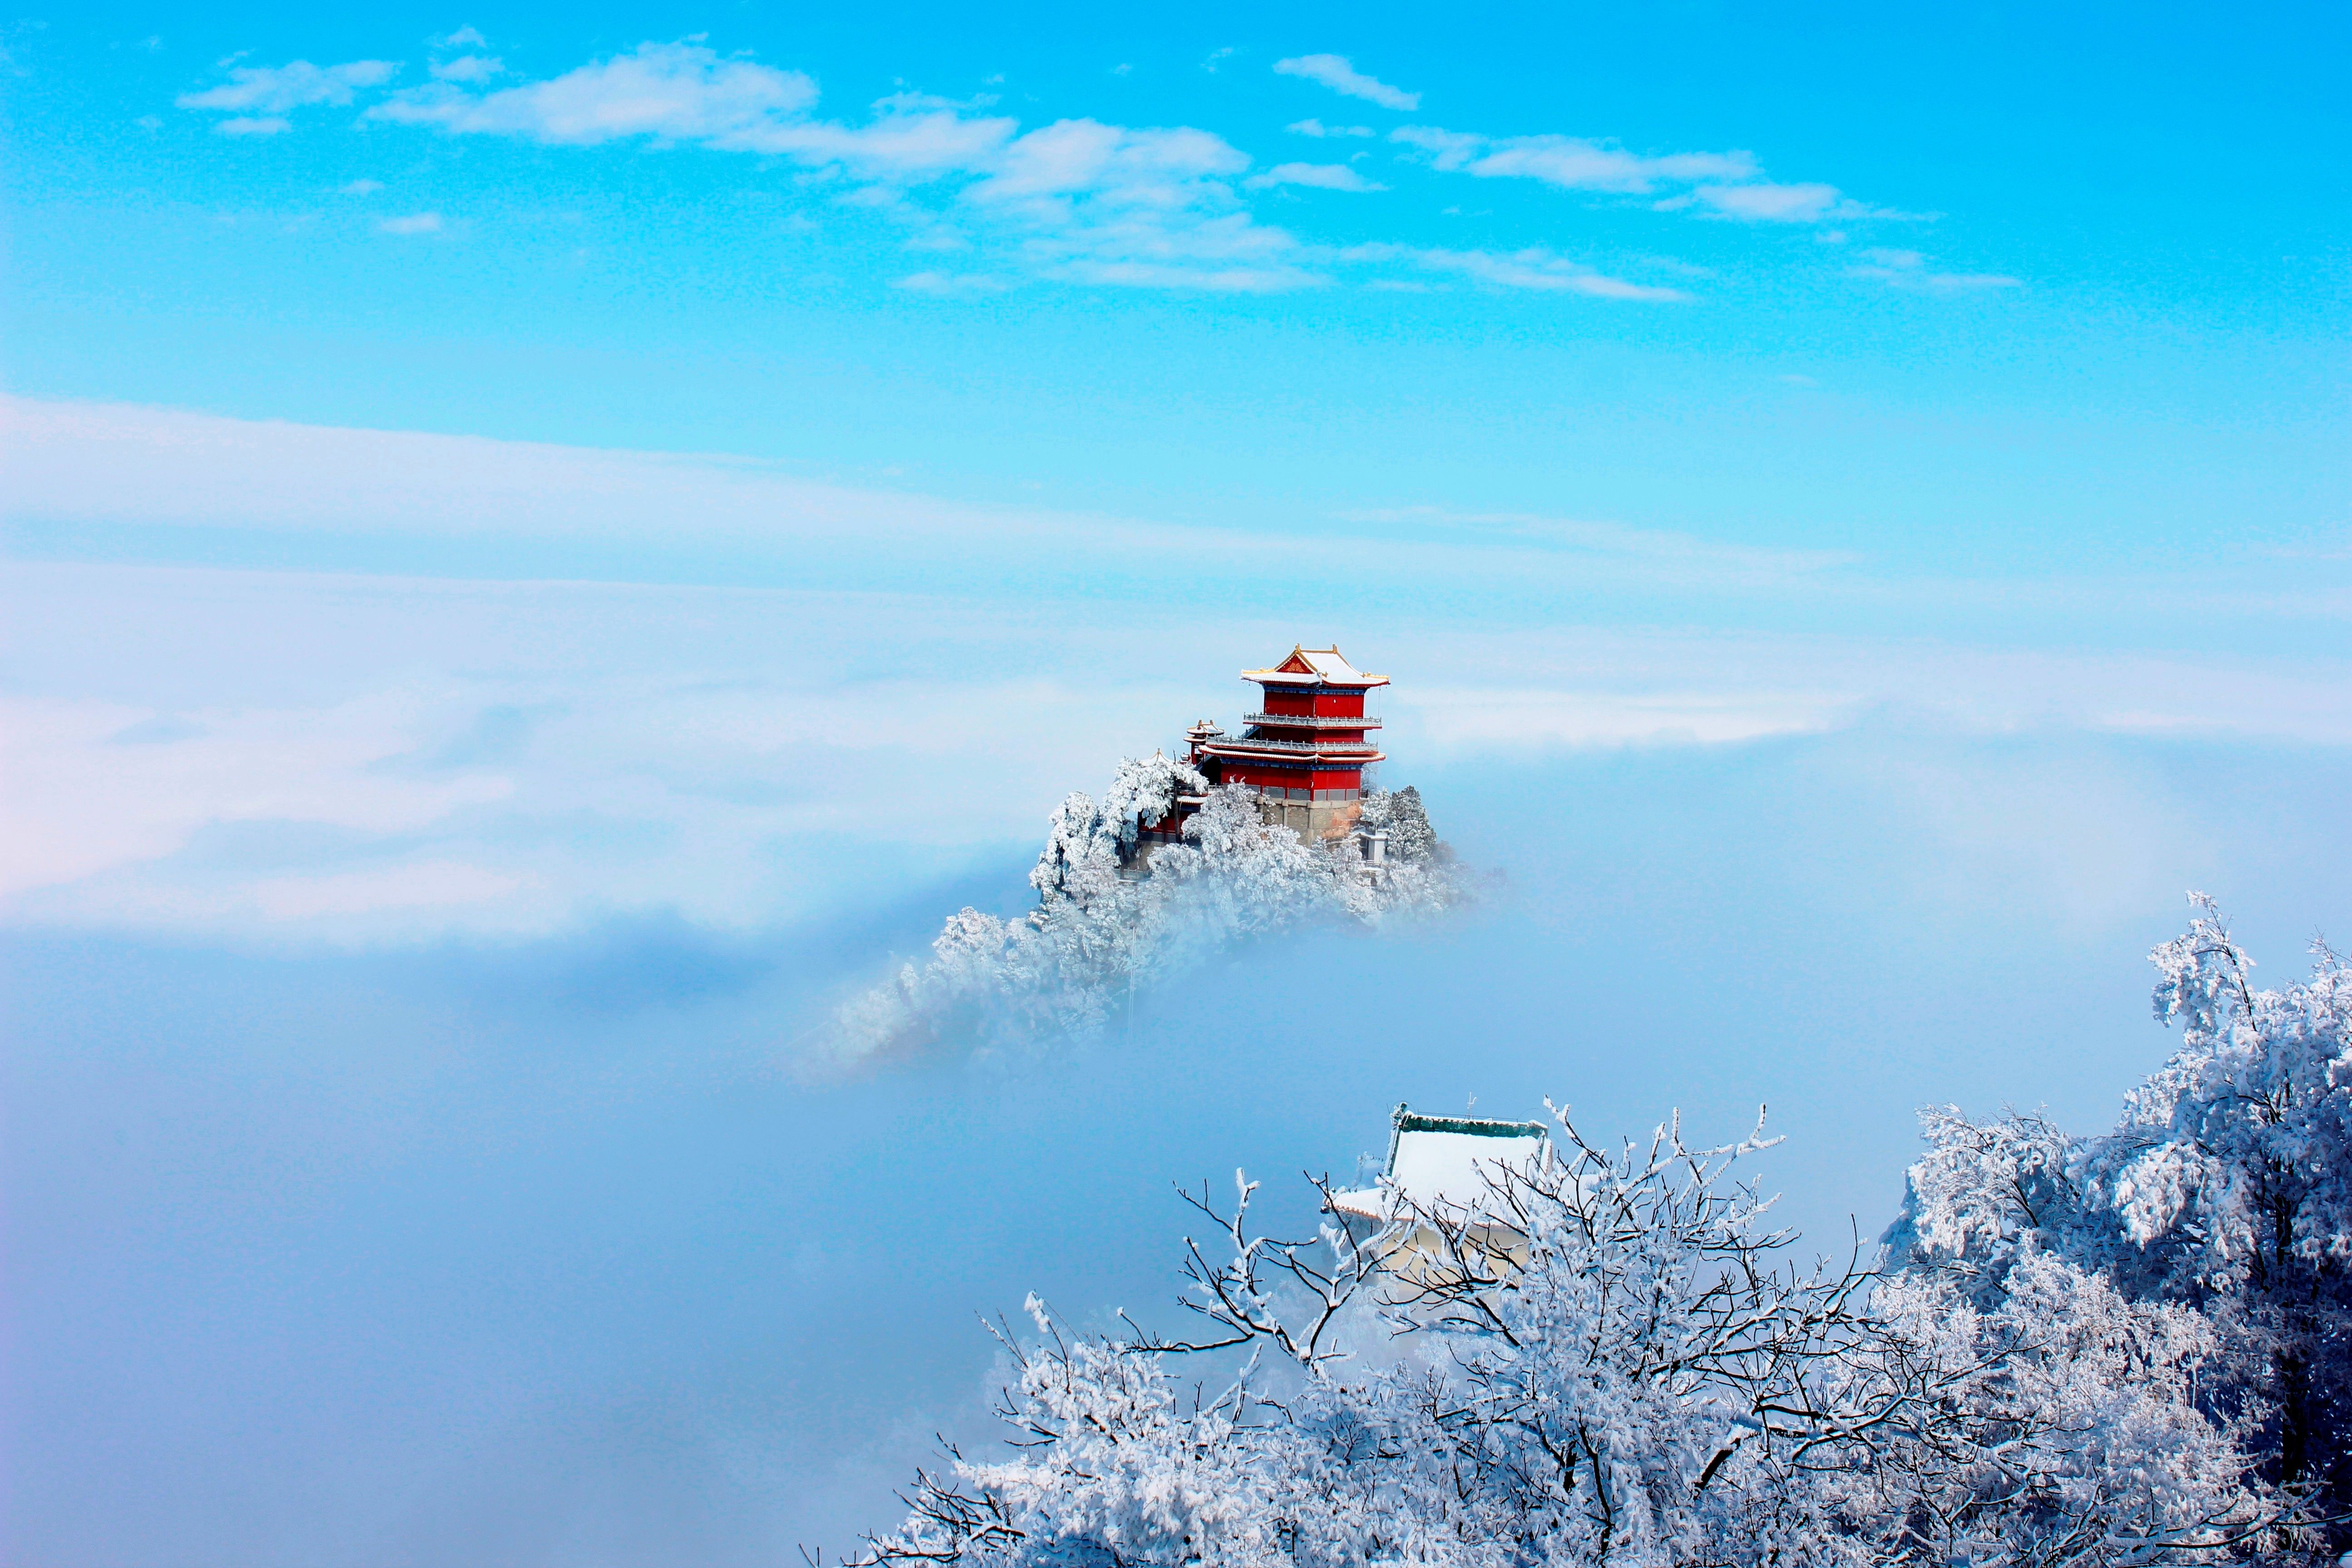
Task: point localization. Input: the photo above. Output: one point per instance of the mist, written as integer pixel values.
(539, 1249)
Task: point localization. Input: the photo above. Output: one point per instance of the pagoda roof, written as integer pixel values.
(1315, 666)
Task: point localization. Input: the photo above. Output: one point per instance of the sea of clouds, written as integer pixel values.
(413, 926)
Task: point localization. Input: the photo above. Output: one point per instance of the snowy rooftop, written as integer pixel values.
(1315, 666)
(1445, 1160)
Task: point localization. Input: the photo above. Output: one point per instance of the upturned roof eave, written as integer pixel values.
(1359, 682)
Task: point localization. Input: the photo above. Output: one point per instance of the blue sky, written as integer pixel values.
(2115, 344)
(540, 547)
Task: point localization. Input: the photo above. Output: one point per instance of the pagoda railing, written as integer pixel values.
(1314, 720)
(1254, 743)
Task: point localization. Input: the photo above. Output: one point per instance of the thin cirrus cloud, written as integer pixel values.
(1336, 72)
(1570, 163)
(1321, 176)
(1531, 268)
(1729, 184)
(1909, 270)
(1317, 129)
(415, 223)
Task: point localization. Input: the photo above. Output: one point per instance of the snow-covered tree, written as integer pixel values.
(1100, 929)
(1406, 822)
(2071, 1430)
(1606, 1359)
(1086, 844)
(2225, 1190)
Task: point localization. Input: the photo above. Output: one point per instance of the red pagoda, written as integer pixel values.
(1305, 753)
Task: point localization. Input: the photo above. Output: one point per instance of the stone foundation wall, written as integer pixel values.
(1316, 821)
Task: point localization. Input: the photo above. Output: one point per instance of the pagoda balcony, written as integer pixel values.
(1313, 720)
(1239, 743)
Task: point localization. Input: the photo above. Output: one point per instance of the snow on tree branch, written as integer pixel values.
(2223, 1194)
(1103, 928)
(1606, 1358)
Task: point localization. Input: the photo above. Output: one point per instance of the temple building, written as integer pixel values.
(1305, 751)
(1441, 1168)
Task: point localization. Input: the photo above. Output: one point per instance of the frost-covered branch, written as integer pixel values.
(2096, 1352)
(2218, 1213)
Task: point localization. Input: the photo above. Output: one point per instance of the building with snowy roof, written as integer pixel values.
(1442, 1166)
(1305, 748)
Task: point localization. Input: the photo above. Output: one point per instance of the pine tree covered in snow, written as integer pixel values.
(1402, 817)
(1101, 928)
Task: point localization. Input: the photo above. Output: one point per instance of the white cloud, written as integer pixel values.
(950, 283)
(1141, 248)
(86, 794)
(1534, 269)
(1588, 686)
(71, 465)
(415, 223)
(1730, 185)
(327, 756)
(1335, 72)
(1569, 162)
(1449, 150)
(360, 189)
(1072, 156)
(1193, 274)
(909, 102)
(1117, 207)
(1323, 177)
(1317, 128)
(1517, 719)
(1078, 199)
(463, 39)
(1776, 203)
(1909, 270)
(679, 92)
(265, 90)
(468, 69)
(254, 125)
(438, 764)
(897, 147)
